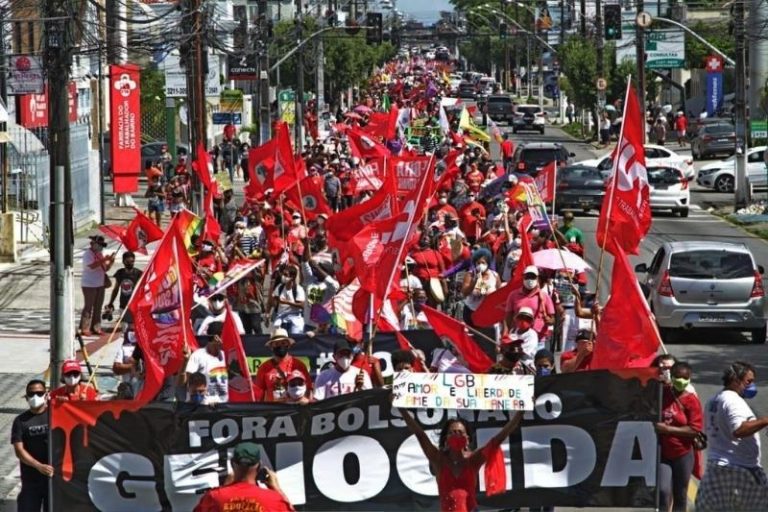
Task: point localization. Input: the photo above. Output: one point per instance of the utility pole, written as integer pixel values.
(562, 22)
(58, 61)
(299, 105)
(320, 71)
(265, 127)
(600, 41)
(640, 63)
(742, 192)
(4, 98)
(758, 59)
(583, 17)
(196, 65)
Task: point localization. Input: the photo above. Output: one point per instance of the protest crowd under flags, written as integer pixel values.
(393, 254)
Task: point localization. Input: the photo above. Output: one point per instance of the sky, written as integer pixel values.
(425, 11)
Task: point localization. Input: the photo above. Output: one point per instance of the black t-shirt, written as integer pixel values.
(32, 430)
(126, 280)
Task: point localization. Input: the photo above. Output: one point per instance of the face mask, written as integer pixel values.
(296, 222)
(481, 267)
(680, 384)
(530, 284)
(296, 392)
(523, 324)
(456, 443)
(511, 355)
(206, 248)
(750, 391)
(472, 198)
(196, 398)
(71, 380)
(344, 362)
(443, 200)
(217, 304)
(280, 351)
(543, 372)
(666, 374)
(286, 279)
(35, 402)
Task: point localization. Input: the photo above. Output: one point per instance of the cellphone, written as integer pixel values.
(263, 475)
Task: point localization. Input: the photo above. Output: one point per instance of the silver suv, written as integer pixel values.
(706, 285)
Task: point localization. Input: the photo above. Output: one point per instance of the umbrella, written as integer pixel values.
(362, 109)
(552, 259)
(352, 115)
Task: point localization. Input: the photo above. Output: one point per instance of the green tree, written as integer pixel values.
(152, 104)
(578, 62)
(717, 35)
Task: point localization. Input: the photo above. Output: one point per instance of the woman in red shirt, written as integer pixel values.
(73, 389)
(429, 269)
(474, 179)
(455, 463)
(681, 423)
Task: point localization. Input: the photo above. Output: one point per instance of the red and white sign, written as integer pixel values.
(25, 75)
(714, 64)
(33, 108)
(125, 112)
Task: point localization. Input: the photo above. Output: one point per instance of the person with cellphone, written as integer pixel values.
(243, 492)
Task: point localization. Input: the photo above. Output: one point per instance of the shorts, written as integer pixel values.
(156, 206)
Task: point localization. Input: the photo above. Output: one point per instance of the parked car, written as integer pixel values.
(669, 190)
(500, 107)
(654, 156)
(712, 285)
(580, 188)
(721, 175)
(467, 91)
(528, 117)
(713, 139)
(531, 158)
(153, 150)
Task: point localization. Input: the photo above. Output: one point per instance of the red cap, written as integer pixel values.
(296, 374)
(69, 366)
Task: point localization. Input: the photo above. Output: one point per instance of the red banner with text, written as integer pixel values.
(125, 129)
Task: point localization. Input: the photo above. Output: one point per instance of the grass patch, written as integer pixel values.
(573, 129)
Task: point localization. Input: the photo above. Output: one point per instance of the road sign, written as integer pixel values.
(665, 49)
(227, 118)
(242, 67)
(176, 77)
(759, 129)
(601, 84)
(643, 19)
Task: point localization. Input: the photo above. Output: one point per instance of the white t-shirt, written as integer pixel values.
(414, 283)
(125, 355)
(332, 382)
(724, 413)
(92, 277)
(445, 362)
(286, 293)
(530, 345)
(202, 329)
(215, 369)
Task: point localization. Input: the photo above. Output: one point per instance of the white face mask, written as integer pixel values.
(344, 362)
(206, 248)
(296, 222)
(443, 200)
(296, 392)
(217, 304)
(481, 267)
(71, 380)
(286, 279)
(530, 284)
(35, 402)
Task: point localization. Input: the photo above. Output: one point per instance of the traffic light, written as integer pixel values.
(374, 32)
(503, 30)
(612, 22)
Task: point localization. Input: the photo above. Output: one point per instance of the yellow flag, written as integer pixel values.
(466, 124)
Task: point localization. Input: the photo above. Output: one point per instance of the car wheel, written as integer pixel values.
(683, 212)
(724, 184)
(759, 335)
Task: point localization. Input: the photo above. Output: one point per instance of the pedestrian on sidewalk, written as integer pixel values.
(29, 437)
(93, 283)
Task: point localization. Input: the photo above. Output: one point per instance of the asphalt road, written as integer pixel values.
(709, 352)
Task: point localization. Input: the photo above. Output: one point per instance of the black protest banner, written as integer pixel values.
(589, 442)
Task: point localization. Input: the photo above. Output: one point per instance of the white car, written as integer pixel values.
(721, 175)
(654, 156)
(669, 189)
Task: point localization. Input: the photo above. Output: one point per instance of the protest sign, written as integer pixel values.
(478, 391)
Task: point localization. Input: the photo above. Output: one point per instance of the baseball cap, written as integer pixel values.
(70, 366)
(296, 374)
(341, 345)
(99, 240)
(247, 454)
(525, 311)
(584, 335)
(531, 269)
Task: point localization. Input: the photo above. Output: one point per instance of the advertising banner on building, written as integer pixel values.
(176, 77)
(33, 108)
(25, 74)
(354, 452)
(125, 128)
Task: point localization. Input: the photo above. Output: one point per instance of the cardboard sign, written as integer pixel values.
(463, 391)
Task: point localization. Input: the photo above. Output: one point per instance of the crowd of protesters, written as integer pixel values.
(469, 245)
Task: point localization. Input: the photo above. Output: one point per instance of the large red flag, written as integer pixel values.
(382, 205)
(627, 336)
(370, 175)
(312, 197)
(160, 308)
(240, 384)
(140, 232)
(383, 124)
(444, 325)
(545, 182)
(625, 216)
(493, 307)
(284, 173)
(261, 163)
(363, 146)
(408, 171)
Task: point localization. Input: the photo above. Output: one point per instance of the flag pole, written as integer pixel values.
(554, 192)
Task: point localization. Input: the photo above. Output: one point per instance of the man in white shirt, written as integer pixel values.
(211, 362)
(734, 479)
(217, 306)
(342, 378)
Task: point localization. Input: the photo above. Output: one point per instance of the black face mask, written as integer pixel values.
(280, 351)
(511, 355)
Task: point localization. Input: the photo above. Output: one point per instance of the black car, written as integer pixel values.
(500, 107)
(467, 91)
(532, 157)
(579, 187)
(712, 139)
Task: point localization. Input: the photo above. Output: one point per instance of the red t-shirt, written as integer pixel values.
(269, 375)
(686, 412)
(474, 180)
(585, 364)
(82, 392)
(681, 123)
(243, 497)
(507, 148)
(427, 264)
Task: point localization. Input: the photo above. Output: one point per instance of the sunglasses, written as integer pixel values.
(35, 393)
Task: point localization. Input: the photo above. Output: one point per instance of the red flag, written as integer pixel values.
(383, 204)
(312, 197)
(363, 146)
(240, 384)
(203, 167)
(369, 176)
(408, 171)
(383, 124)
(261, 163)
(114, 231)
(140, 232)
(444, 325)
(625, 217)
(160, 308)
(545, 182)
(493, 307)
(284, 172)
(627, 335)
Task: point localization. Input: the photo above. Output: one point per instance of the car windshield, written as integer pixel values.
(663, 175)
(580, 172)
(539, 156)
(527, 110)
(500, 99)
(711, 264)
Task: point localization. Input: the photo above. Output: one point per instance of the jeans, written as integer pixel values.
(251, 322)
(33, 497)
